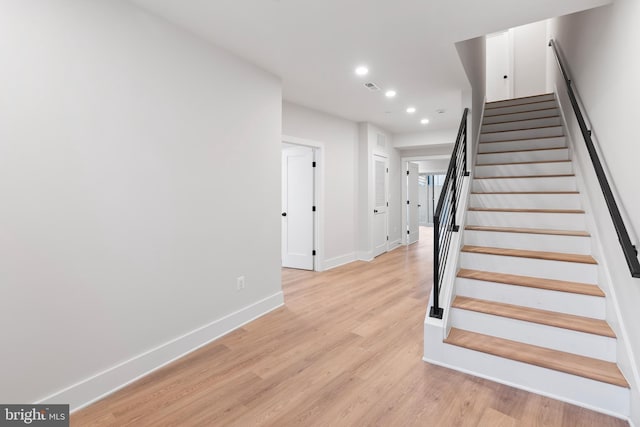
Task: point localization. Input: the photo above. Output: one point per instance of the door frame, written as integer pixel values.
(318, 195)
(404, 162)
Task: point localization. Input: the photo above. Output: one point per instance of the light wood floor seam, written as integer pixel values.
(532, 282)
(534, 315)
(520, 253)
(574, 364)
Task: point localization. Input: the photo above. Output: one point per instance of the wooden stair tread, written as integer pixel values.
(575, 233)
(526, 163)
(523, 139)
(522, 97)
(532, 282)
(516, 130)
(555, 116)
(560, 211)
(517, 105)
(587, 367)
(524, 150)
(535, 315)
(549, 256)
(519, 112)
(525, 192)
(524, 176)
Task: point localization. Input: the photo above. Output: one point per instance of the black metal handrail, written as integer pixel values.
(629, 250)
(444, 218)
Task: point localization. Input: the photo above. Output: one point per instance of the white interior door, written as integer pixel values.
(380, 210)
(499, 78)
(413, 204)
(297, 207)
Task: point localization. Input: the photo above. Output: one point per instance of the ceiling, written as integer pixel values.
(315, 45)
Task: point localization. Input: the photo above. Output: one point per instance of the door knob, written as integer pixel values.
(284, 214)
(375, 211)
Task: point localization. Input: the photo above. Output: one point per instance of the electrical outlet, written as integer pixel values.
(240, 283)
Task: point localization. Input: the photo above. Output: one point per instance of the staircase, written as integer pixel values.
(527, 309)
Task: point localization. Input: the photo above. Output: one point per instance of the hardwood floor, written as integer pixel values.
(346, 350)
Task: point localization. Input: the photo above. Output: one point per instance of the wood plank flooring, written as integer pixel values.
(346, 350)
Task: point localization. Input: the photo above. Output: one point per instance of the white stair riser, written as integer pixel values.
(487, 185)
(558, 270)
(589, 345)
(517, 101)
(522, 134)
(523, 156)
(527, 169)
(562, 302)
(529, 242)
(571, 388)
(526, 201)
(501, 118)
(519, 108)
(559, 221)
(523, 124)
(524, 144)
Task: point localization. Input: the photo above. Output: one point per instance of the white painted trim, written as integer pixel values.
(339, 260)
(395, 244)
(365, 256)
(529, 389)
(104, 383)
(319, 155)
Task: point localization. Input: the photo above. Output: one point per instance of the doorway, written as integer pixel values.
(298, 207)
(499, 68)
(381, 204)
(430, 187)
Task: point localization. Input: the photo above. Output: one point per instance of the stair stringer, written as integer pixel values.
(625, 354)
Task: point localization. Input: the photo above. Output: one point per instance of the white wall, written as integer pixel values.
(432, 165)
(340, 143)
(426, 138)
(530, 59)
(139, 176)
(368, 146)
(473, 56)
(599, 47)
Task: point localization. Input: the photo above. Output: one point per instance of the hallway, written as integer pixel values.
(346, 350)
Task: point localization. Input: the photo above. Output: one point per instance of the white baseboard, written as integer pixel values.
(365, 256)
(110, 380)
(395, 245)
(338, 261)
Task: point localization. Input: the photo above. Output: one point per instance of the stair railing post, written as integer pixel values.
(436, 311)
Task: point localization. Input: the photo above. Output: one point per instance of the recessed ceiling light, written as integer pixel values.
(411, 110)
(362, 70)
(424, 121)
(390, 93)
